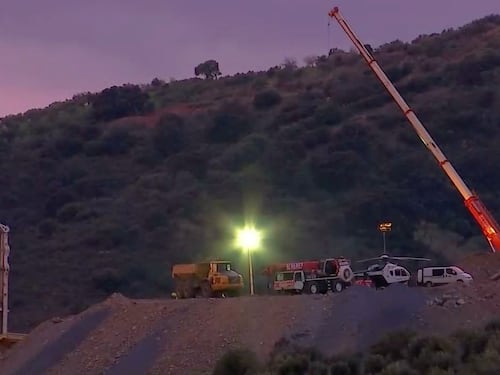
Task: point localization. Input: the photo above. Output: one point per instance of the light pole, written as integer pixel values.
(248, 238)
(385, 227)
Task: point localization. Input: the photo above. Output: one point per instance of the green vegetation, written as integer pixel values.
(401, 352)
(105, 191)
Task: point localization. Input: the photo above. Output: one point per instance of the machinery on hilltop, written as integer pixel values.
(209, 279)
(489, 226)
(312, 277)
(384, 272)
(6, 339)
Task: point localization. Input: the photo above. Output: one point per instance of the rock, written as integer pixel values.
(460, 302)
(439, 301)
(495, 276)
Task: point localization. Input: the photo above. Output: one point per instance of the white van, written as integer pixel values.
(431, 276)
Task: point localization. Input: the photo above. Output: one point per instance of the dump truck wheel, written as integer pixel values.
(180, 293)
(233, 293)
(206, 291)
(188, 292)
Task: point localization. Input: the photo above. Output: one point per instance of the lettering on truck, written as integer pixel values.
(294, 266)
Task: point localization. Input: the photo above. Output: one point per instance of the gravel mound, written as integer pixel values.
(358, 317)
(124, 336)
(481, 265)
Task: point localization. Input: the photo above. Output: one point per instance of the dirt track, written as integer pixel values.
(122, 336)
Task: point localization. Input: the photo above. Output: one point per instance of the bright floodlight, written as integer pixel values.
(248, 238)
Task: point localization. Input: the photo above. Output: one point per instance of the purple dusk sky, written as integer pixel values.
(53, 49)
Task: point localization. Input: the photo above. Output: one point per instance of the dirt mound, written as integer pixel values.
(458, 306)
(124, 336)
(481, 265)
(355, 319)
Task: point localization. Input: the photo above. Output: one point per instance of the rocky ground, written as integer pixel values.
(123, 336)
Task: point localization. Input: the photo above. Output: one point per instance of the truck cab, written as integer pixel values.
(291, 281)
(222, 275)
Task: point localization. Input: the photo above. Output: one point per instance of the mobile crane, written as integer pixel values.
(484, 218)
(313, 276)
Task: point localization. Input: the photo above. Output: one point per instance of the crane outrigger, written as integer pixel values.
(484, 218)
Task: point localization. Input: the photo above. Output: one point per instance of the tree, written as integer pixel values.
(116, 102)
(210, 69)
(290, 63)
(311, 60)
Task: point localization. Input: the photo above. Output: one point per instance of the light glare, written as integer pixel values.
(248, 238)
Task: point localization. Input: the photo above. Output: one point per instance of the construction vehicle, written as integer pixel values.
(487, 223)
(7, 338)
(312, 277)
(208, 279)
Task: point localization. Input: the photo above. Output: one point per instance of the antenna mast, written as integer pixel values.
(4, 278)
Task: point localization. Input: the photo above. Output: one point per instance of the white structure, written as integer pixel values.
(4, 278)
(431, 276)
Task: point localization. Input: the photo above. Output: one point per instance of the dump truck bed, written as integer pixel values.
(188, 270)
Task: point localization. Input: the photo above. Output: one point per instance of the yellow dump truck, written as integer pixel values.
(209, 279)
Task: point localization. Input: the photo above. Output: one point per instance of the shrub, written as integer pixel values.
(108, 280)
(228, 125)
(266, 99)
(393, 346)
(168, 135)
(116, 102)
(329, 114)
(428, 352)
(237, 362)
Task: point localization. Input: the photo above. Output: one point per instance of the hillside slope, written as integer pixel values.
(105, 191)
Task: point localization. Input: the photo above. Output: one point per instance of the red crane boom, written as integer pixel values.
(489, 226)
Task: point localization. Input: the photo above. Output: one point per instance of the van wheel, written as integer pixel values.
(428, 284)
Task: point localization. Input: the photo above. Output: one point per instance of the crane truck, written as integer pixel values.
(208, 279)
(312, 277)
(487, 223)
(7, 338)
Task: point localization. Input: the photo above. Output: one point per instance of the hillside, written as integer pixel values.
(105, 191)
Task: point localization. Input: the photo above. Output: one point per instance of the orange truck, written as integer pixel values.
(209, 279)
